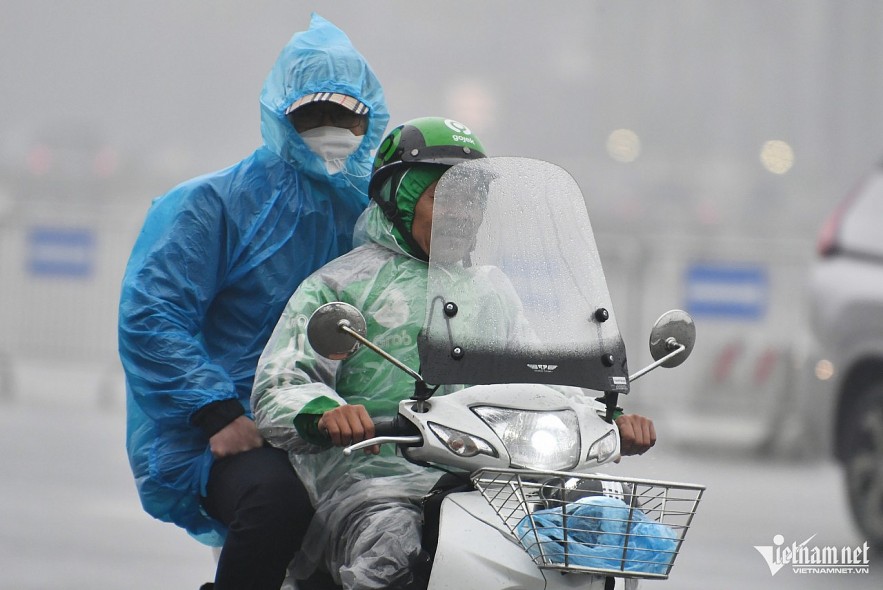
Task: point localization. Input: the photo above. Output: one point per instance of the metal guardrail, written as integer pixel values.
(61, 267)
(60, 272)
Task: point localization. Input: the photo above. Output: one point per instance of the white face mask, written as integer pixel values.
(332, 144)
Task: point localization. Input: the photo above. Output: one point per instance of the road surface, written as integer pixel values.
(71, 519)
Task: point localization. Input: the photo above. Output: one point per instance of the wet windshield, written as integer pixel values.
(515, 284)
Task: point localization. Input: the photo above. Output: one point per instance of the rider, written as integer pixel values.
(366, 506)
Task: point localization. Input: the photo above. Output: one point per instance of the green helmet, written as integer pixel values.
(433, 141)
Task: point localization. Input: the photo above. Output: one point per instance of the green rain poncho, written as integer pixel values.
(359, 493)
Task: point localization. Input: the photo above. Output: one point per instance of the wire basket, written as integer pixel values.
(593, 523)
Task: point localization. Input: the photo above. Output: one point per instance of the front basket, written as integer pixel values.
(593, 523)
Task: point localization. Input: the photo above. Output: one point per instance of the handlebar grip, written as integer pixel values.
(385, 427)
(397, 426)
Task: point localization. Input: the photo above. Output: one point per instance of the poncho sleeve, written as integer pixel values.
(176, 268)
(293, 385)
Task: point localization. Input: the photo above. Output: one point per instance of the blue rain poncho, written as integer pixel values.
(216, 261)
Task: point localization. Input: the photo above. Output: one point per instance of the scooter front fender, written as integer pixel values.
(476, 552)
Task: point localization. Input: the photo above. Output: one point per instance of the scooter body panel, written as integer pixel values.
(475, 551)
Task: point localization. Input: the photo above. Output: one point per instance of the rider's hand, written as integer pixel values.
(636, 434)
(347, 425)
(237, 437)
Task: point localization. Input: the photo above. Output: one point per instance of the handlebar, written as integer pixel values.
(395, 430)
(396, 426)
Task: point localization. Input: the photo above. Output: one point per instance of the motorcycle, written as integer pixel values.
(518, 307)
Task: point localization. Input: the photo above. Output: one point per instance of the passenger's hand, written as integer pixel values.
(636, 434)
(237, 437)
(348, 424)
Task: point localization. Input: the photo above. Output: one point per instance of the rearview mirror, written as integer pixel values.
(337, 329)
(673, 328)
(671, 341)
(326, 334)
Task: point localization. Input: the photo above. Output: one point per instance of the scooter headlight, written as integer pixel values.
(461, 443)
(536, 440)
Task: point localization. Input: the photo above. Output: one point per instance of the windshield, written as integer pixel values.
(515, 282)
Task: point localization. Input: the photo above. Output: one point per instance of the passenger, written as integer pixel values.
(217, 260)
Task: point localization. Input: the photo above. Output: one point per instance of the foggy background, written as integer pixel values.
(704, 135)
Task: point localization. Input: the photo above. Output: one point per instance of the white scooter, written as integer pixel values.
(528, 436)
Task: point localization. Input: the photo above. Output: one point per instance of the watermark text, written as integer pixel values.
(804, 558)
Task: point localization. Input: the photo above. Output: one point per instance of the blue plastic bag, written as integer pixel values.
(598, 529)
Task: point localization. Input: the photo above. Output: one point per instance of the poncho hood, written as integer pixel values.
(321, 59)
(374, 226)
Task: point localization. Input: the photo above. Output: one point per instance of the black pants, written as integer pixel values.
(258, 496)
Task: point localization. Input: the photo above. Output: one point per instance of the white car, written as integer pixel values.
(847, 323)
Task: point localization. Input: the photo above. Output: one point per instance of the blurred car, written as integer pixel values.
(846, 307)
